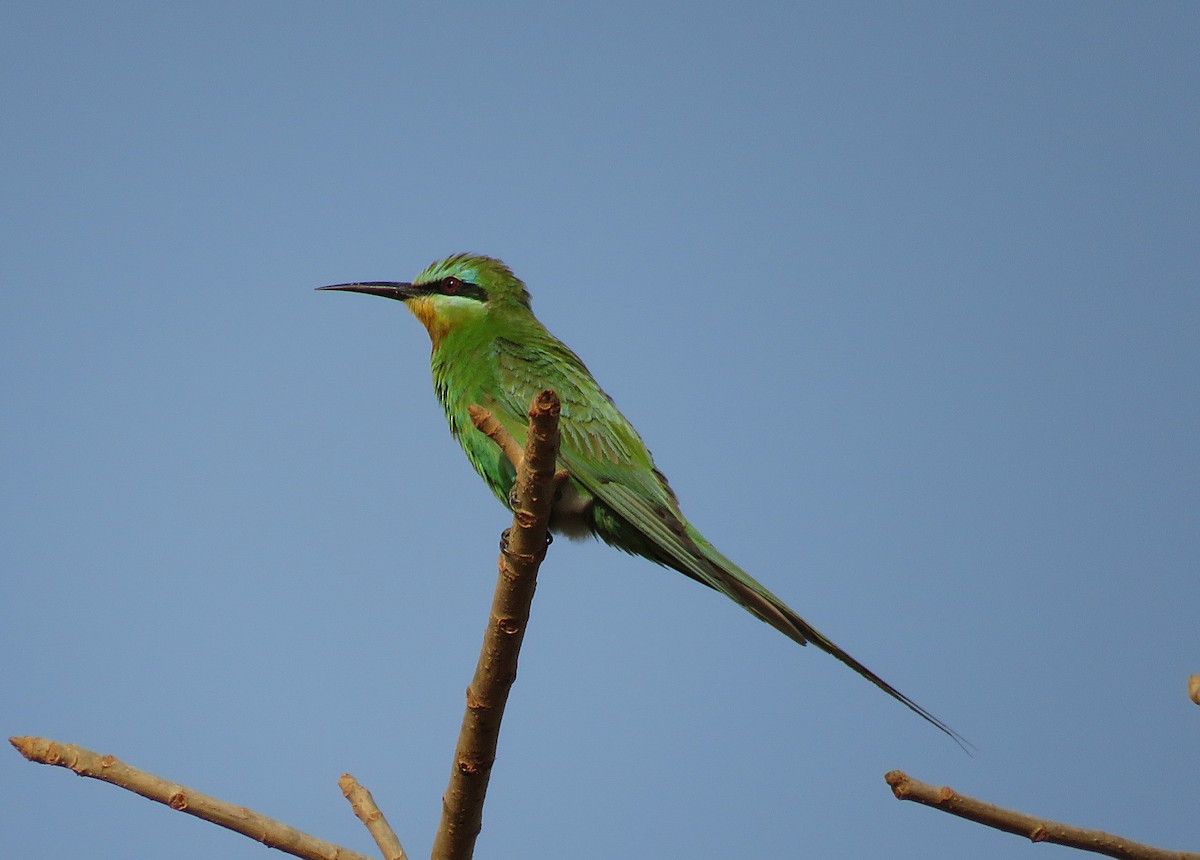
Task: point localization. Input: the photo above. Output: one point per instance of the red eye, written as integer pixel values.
(451, 285)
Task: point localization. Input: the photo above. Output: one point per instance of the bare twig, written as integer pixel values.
(489, 424)
(1022, 824)
(521, 551)
(369, 814)
(268, 831)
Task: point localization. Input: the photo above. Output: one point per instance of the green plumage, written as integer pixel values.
(489, 349)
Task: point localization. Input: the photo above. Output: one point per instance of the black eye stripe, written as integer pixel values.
(452, 286)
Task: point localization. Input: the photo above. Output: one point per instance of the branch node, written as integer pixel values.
(468, 768)
(545, 403)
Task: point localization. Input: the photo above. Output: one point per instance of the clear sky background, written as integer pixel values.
(903, 297)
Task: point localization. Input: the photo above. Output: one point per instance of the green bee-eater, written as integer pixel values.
(489, 349)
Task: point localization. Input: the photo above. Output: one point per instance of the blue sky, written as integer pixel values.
(902, 296)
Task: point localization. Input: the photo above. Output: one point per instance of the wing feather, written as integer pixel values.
(608, 459)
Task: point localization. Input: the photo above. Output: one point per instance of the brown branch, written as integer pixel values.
(522, 549)
(487, 423)
(257, 826)
(1022, 824)
(370, 814)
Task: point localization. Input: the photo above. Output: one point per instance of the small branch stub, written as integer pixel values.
(487, 423)
(1036, 829)
(369, 813)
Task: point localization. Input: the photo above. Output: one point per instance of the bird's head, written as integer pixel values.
(460, 290)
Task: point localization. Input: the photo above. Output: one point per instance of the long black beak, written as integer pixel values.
(387, 289)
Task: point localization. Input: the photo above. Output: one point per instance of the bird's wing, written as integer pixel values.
(590, 424)
(603, 452)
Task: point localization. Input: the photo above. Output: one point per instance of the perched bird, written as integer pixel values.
(489, 349)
